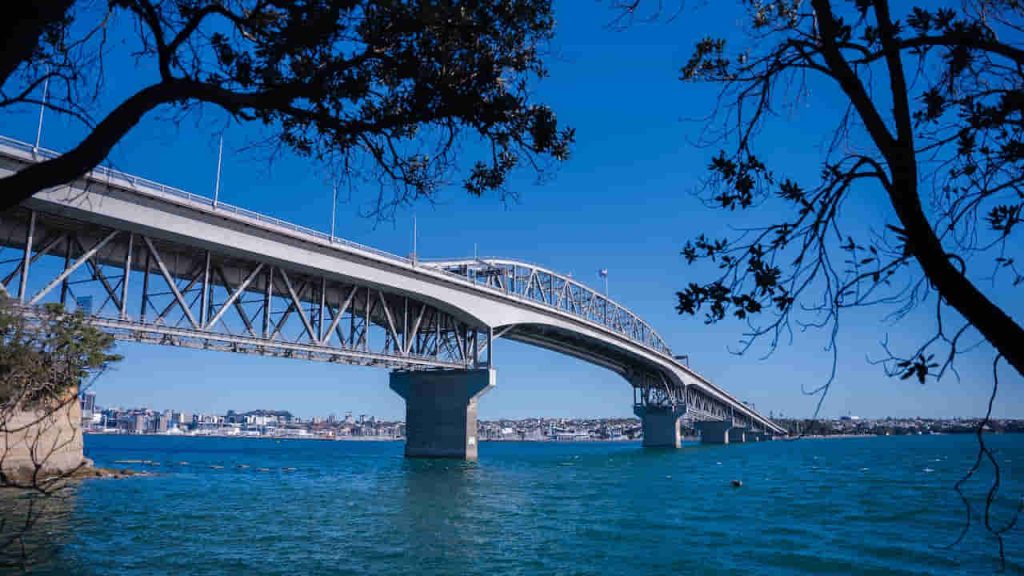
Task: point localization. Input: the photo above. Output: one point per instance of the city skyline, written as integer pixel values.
(279, 423)
(90, 398)
(623, 204)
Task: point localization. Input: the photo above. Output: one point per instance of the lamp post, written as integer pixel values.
(216, 186)
(42, 107)
(334, 208)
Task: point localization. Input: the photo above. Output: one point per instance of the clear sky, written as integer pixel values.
(623, 202)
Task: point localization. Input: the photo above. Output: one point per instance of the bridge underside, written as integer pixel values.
(654, 391)
(149, 289)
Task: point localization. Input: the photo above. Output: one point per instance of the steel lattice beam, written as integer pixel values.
(197, 296)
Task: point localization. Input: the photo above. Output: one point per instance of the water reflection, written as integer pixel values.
(439, 503)
(34, 526)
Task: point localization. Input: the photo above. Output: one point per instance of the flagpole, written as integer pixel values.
(220, 156)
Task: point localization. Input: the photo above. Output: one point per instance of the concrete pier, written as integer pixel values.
(737, 435)
(714, 432)
(661, 425)
(440, 410)
(46, 438)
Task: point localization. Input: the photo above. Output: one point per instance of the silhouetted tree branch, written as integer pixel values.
(930, 128)
(399, 85)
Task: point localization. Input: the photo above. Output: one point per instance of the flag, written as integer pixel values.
(603, 272)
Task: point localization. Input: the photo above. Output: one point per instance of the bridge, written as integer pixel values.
(152, 263)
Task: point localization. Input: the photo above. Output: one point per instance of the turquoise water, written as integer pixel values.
(873, 505)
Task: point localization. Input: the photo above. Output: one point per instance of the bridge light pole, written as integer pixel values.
(415, 233)
(216, 186)
(42, 108)
(334, 208)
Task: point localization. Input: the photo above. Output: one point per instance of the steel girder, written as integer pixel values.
(655, 389)
(150, 290)
(518, 279)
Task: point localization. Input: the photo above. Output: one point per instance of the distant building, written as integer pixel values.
(88, 402)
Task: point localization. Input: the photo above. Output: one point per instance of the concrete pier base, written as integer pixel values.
(714, 432)
(440, 410)
(661, 425)
(737, 435)
(49, 439)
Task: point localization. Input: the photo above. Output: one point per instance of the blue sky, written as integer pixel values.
(623, 202)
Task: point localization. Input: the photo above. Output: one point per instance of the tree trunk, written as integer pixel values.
(1001, 331)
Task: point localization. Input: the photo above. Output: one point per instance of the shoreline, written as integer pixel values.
(360, 438)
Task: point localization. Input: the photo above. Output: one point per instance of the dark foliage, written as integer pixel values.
(388, 91)
(931, 129)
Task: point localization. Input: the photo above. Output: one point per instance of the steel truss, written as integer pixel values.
(146, 289)
(556, 291)
(655, 389)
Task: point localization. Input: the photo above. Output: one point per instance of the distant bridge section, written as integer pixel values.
(537, 284)
(156, 264)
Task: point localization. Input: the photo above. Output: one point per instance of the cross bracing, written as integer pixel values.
(143, 289)
(654, 389)
(519, 279)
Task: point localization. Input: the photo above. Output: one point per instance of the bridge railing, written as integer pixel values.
(559, 292)
(145, 185)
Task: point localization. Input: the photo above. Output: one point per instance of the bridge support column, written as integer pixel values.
(661, 425)
(737, 435)
(714, 432)
(440, 410)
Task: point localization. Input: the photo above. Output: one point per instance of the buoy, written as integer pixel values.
(737, 483)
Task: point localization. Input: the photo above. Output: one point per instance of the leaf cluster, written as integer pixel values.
(46, 353)
(395, 93)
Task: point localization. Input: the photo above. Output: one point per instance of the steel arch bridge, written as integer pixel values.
(151, 263)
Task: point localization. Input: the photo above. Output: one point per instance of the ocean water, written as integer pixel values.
(251, 506)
